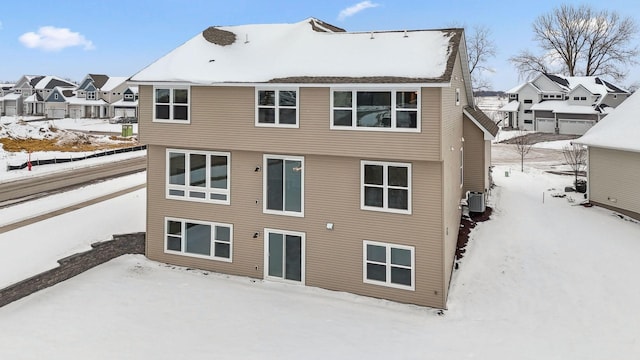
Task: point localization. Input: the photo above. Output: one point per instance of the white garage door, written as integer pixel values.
(574, 127)
(10, 111)
(125, 112)
(546, 125)
(55, 113)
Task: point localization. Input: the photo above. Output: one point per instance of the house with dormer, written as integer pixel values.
(34, 89)
(344, 172)
(560, 104)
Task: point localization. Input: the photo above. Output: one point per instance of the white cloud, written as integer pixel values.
(50, 38)
(352, 10)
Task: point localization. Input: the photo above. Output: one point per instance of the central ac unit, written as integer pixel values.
(476, 202)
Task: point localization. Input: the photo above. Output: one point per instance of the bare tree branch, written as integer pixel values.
(529, 65)
(523, 145)
(586, 41)
(480, 48)
(576, 157)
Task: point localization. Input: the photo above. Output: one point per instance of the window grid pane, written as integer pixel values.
(198, 239)
(388, 265)
(207, 177)
(386, 186)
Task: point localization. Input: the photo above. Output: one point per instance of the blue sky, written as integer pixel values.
(73, 38)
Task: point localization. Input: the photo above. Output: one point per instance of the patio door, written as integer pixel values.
(284, 255)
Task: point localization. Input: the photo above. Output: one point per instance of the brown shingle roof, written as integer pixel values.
(484, 121)
(99, 80)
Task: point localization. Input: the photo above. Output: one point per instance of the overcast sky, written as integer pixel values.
(73, 38)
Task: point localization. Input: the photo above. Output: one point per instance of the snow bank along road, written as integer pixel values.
(17, 190)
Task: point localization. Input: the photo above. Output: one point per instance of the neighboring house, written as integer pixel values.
(306, 154)
(97, 96)
(559, 104)
(127, 107)
(11, 104)
(96, 87)
(34, 89)
(614, 159)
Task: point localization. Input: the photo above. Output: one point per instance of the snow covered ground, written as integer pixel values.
(11, 126)
(545, 278)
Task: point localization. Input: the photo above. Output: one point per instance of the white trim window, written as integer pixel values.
(91, 95)
(388, 265)
(284, 255)
(385, 186)
(277, 107)
(171, 104)
(377, 110)
(198, 176)
(457, 96)
(283, 185)
(202, 239)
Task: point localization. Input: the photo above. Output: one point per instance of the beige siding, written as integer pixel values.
(334, 258)
(229, 113)
(451, 189)
(475, 166)
(613, 179)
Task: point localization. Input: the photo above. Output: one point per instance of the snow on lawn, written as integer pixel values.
(45, 130)
(557, 145)
(102, 125)
(31, 249)
(53, 202)
(545, 278)
(7, 158)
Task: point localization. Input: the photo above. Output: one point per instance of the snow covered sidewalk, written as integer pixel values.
(550, 280)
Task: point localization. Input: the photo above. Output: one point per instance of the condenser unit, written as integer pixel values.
(476, 202)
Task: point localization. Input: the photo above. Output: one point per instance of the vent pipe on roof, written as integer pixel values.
(371, 35)
(246, 38)
(405, 34)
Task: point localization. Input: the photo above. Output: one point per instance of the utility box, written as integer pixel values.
(476, 202)
(127, 130)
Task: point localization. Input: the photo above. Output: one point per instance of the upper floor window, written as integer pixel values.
(375, 110)
(198, 176)
(283, 187)
(91, 95)
(128, 97)
(457, 97)
(386, 186)
(528, 101)
(171, 104)
(277, 107)
(55, 96)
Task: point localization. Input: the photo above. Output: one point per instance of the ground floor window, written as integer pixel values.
(199, 238)
(389, 265)
(284, 255)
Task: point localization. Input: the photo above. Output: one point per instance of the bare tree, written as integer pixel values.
(480, 48)
(583, 41)
(523, 145)
(576, 157)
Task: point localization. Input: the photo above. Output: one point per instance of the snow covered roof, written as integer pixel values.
(309, 51)
(82, 101)
(558, 106)
(49, 82)
(34, 98)
(122, 103)
(113, 82)
(12, 96)
(619, 130)
(510, 106)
